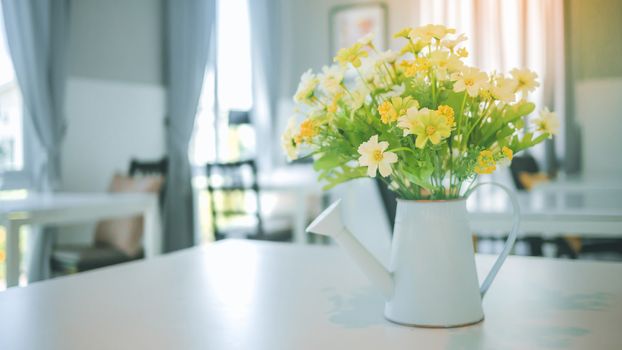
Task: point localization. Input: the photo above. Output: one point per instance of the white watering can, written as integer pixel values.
(432, 279)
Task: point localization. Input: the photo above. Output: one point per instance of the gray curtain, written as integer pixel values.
(37, 37)
(265, 38)
(189, 26)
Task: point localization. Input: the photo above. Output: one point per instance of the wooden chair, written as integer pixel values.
(73, 258)
(235, 203)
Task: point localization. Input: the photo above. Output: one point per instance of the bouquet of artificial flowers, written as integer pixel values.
(420, 118)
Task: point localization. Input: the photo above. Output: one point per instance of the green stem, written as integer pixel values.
(434, 89)
(397, 149)
(461, 121)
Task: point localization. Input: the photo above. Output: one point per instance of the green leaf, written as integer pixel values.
(327, 161)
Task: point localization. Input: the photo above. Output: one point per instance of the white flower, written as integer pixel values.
(357, 96)
(471, 80)
(287, 139)
(375, 157)
(547, 122)
(369, 70)
(306, 88)
(503, 89)
(367, 40)
(396, 91)
(525, 80)
(451, 44)
(388, 56)
(331, 78)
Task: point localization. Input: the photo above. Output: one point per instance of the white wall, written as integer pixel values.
(117, 40)
(306, 38)
(116, 97)
(109, 122)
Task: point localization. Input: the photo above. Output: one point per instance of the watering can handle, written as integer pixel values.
(509, 243)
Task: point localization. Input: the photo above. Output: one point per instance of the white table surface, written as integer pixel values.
(259, 295)
(64, 208)
(550, 211)
(300, 179)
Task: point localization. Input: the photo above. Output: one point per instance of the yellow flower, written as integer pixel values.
(547, 122)
(387, 112)
(471, 80)
(525, 80)
(375, 157)
(414, 48)
(485, 163)
(448, 113)
(426, 125)
(332, 107)
(507, 152)
(288, 140)
(462, 52)
(404, 33)
(306, 88)
(411, 68)
(352, 54)
(436, 31)
(308, 129)
(396, 107)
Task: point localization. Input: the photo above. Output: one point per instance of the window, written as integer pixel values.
(11, 111)
(227, 86)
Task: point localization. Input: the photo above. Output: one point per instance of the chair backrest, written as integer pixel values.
(523, 164)
(233, 177)
(154, 167)
(151, 168)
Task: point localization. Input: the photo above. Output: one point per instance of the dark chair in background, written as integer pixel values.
(73, 258)
(526, 174)
(389, 200)
(151, 168)
(235, 203)
(156, 167)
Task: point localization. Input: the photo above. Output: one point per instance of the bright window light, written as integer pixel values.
(234, 57)
(11, 130)
(232, 81)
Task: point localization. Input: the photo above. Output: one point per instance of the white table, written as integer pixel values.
(298, 179)
(582, 211)
(65, 208)
(260, 295)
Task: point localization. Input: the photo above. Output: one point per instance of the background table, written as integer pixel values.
(550, 211)
(259, 295)
(65, 208)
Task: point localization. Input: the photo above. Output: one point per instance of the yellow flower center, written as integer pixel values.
(378, 155)
(469, 82)
(430, 130)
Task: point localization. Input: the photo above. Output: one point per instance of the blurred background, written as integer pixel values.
(110, 85)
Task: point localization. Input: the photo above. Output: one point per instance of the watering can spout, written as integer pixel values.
(330, 223)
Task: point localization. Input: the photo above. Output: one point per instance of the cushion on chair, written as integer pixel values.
(125, 234)
(73, 258)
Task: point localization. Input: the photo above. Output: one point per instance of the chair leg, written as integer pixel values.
(535, 245)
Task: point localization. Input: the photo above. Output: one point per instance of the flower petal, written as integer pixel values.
(389, 157)
(371, 170)
(385, 168)
(420, 142)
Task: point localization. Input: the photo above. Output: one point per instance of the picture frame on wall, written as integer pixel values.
(348, 23)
